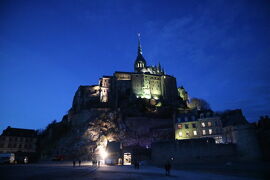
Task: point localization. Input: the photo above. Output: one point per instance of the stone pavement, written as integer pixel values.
(52, 170)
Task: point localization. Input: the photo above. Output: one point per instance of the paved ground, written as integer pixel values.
(52, 171)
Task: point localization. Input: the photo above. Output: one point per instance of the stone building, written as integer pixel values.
(246, 140)
(147, 82)
(15, 140)
(198, 124)
(263, 131)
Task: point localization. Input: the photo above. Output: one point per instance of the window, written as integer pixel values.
(203, 132)
(186, 126)
(201, 115)
(193, 125)
(195, 133)
(210, 131)
(209, 123)
(179, 126)
(180, 134)
(187, 133)
(203, 124)
(218, 139)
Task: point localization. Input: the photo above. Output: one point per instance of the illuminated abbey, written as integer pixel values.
(143, 109)
(146, 82)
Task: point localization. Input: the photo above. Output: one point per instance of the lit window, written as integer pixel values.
(218, 139)
(210, 131)
(203, 132)
(180, 134)
(193, 125)
(209, 123)
(203, 124)
(186, 126)
(187, 133)
(179, 126)
(195, 133)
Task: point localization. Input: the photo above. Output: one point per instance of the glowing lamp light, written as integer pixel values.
(103, 153)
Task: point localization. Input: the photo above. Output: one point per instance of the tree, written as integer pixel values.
(199, 104)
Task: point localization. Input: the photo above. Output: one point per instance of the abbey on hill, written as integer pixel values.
(142, 115)
(146, 82)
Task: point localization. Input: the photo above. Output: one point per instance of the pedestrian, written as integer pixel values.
(135, 164)
(74, 163)
(79, 162)
(138, 164)
(98, 163)
(167, 168)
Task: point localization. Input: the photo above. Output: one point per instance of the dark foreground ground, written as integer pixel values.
(52, 171)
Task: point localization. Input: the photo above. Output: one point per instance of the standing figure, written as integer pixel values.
(167, 168)
(74, 163)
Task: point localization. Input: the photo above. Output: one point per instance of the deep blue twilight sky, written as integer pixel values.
(218, 50)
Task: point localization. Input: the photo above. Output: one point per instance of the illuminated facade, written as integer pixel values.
(148, 82)
(200, 125)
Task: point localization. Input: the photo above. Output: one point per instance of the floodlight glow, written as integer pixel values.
(103, 153)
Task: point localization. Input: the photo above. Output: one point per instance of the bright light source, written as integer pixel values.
(103, 153)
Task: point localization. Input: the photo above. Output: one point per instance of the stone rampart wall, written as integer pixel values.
(191, 152)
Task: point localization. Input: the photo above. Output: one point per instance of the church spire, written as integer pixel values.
(159, 67)
(139, 44)
(140, 62)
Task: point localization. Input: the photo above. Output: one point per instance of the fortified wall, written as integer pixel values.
(192, 151)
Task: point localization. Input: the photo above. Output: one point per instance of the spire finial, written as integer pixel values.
(139, 44)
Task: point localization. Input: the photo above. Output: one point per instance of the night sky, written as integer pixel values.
(218, 50)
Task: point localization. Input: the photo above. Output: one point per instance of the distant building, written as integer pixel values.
(263, 131)
(14, 140)
(198, 125)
